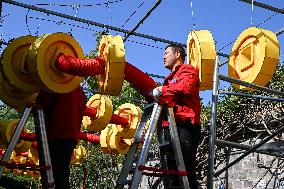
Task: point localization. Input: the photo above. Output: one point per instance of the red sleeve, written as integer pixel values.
(187, 82)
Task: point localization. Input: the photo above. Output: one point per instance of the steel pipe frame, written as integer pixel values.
(223, 143)
(236, 81)
(252, 149)
(212, 137)
(212, 134)
(254, 96)
(265, 6)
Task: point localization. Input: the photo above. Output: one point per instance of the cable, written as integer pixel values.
(27, 25)
(140, 43)
(76, 8)
(264, 21)
(109, 13)
(192, 14)
(86, 28)
(61, 22)
(133, 13)
(251, 17)
(143, 19)
(81, 5)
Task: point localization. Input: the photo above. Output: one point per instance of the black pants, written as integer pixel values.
(189, 136)
(60, 154)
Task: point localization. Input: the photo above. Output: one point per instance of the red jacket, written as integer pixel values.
(181, 91)
(63, 113)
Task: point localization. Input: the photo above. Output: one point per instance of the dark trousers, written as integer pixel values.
(60, 153)
(189, 136)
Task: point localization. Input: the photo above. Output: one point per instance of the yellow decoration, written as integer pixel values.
(201, 52)
(254, 57)
(7, 131)
(78, 154)
(104, 139)
(14, 97)
(134, 113)
(117, 142)
(15, 65)
(112, 49)
(42, 56)
(104, 113)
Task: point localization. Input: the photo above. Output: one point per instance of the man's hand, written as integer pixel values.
(159, 88)
(157, 92)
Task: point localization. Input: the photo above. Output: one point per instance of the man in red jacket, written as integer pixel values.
(63, 113)
(181, 91)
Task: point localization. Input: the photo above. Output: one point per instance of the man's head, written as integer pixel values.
(173, 56)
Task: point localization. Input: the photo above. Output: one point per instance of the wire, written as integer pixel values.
(76, 9)
(148, 45)
(61, 22)
(27, 25)
(251, 17)
(81, 5)
(192, 14)
(133, 13)
(143, 19)
(264, 21)
(2, 18)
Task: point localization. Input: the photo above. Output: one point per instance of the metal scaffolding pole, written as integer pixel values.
(252, 149)
(212, 136)
(236, 81)
(265, 6)
(223, 143)
(254, 96)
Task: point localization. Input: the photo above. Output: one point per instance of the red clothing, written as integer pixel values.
(181, 91)
(63, 113)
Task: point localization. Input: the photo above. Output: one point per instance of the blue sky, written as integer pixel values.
(172, 20)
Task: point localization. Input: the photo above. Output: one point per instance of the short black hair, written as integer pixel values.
(177, 49)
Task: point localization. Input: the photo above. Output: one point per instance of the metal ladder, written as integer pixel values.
(43, 150)
(129, 159)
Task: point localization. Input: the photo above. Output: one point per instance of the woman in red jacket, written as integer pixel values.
(181, 91)
(63, 113)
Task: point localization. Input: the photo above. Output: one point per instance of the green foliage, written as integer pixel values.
(101, 170)
(11, 181)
